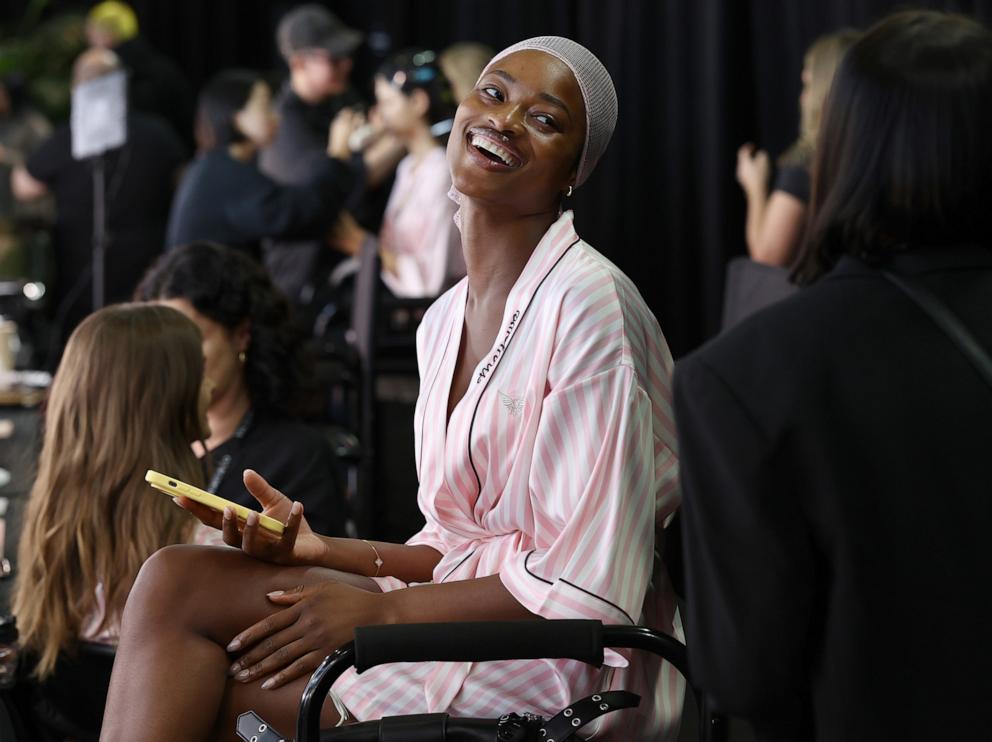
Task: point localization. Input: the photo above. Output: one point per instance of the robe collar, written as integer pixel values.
(559, 238)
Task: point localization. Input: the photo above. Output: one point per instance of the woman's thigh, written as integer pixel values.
(218, 591)
(213, 593)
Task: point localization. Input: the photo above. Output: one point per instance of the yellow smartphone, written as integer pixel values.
(175, 488)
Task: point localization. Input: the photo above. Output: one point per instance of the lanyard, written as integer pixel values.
(225, 462)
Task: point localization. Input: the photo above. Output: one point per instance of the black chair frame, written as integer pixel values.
(488, 641)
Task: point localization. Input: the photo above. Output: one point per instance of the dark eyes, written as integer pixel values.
(493, 92)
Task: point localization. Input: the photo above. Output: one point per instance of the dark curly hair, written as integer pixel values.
(229, 287)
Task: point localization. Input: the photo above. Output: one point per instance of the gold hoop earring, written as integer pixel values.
(242, 356)
(569, 192)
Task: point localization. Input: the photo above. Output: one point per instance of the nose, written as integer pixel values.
(507, 119)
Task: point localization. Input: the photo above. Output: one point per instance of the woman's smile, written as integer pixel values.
(492, 150)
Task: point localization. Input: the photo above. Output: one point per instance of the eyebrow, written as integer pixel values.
(558, 102)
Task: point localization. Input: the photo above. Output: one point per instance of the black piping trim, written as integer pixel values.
(489, 378)
(527, 568)
(458, 565)
(597, 597)
(572, 584)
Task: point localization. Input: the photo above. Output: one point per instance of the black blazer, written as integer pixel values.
(836, 454)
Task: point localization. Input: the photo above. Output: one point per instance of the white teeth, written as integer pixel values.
(491, 146)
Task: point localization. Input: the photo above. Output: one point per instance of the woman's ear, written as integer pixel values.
(242, 336)
(570, 184)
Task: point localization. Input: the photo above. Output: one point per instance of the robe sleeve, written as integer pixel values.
(593, 485)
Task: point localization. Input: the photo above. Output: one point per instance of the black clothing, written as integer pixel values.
(295, 459)
(139, 180)
(157, 86)
(794, 180)
(837, 510)
(303, 131)
(224, 200)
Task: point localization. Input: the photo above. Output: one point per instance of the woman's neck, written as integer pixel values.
(420, 142)
(225, 415)
(497, 246)
(242, 151)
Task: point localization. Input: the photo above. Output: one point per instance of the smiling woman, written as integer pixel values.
(546, 460)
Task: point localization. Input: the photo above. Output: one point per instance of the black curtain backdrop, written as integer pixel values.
(695, 78)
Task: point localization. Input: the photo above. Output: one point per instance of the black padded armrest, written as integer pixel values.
(479, 642)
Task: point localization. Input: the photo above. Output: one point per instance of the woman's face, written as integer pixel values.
(223, 373)
(401, 114)
(518, 135)
(257, 120)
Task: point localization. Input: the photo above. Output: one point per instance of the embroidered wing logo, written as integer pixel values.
(512, 405)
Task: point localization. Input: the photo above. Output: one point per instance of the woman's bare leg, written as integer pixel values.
(170, 677)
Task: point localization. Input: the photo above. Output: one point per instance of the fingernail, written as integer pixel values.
(234, 646)
(228, 513)
(268, 683)
(275, 593)
(235, 669)
(297, 508)
(243, 675)
(252, 518)
(176, 501)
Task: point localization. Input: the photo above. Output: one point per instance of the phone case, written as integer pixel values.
(175, 488)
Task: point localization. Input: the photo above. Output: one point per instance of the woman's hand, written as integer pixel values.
(346, 123)
(753, 169)
(347, 234)
(293, 642)
(298, 545)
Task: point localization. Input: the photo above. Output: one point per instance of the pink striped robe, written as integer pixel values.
(556, 468)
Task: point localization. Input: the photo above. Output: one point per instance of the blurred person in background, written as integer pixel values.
(22, 130)
(462, 63)
(140, 179)
(318, 48)
(776, 220)
(419, 242)
(834, 447)
(258, 366)
(224, 198)
(129, 395)
(156, 85)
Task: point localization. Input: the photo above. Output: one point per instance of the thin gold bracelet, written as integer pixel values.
(378, 559)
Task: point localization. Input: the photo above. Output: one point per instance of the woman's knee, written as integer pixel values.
(173, 579)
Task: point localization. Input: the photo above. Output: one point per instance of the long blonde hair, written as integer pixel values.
(821, 60)
(125, 399)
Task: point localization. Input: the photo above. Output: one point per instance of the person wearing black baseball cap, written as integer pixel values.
(317, 47)
(313, 27)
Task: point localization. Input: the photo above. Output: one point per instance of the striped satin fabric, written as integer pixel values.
(554, 471)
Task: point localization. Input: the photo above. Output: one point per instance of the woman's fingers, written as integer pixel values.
(292, 529)
(207, 516)
(264, 628)
(232, 536)
(288, 597)
(267, 495)
(305, 665)
(255, 540)
(272, 655)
